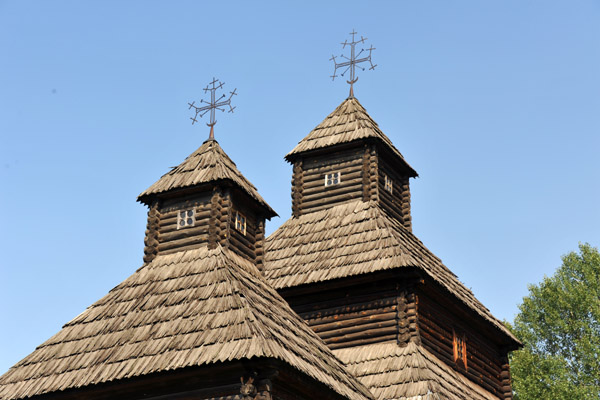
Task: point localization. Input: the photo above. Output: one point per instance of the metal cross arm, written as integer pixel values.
(353, 61)
(213, 104)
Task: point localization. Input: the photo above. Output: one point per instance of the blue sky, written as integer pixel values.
(495, 103)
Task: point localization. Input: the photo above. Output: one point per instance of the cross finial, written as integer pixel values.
(213, 104)
(352, 62)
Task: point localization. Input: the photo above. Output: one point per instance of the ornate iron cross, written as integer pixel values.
(353, 61)
(214, 104)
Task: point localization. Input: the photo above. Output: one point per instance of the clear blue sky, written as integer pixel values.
(495, 103)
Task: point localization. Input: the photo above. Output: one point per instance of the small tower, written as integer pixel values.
(205, 201)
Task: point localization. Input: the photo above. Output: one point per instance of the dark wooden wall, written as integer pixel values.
(309, 192)
(359, 314)
(396, 203)
(214, 224)
(437, 324)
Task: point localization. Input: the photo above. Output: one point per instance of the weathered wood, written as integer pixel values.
(297, 187)
(362, 335)
(259, 240)
(200, 230)
(185, 241)
(373, 173)
(215, 214)
(340, 318)
(365, 174)
(241, 248)
(362, 341)
(362, 320)
(358, 329)
(345, 305)
(151, 240)
(322, 200)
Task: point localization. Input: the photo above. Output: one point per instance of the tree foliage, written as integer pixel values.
(559, 325)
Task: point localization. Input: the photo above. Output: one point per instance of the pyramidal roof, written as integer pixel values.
(191, 308)
(347, 123)
(351, 239)
(207, 164)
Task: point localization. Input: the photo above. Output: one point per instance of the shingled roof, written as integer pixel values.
(349, 122)
(207, 164)
(408, 373)
(189, 308)
(350, 239)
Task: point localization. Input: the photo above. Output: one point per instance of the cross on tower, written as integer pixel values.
(353, 61)
(214, 104)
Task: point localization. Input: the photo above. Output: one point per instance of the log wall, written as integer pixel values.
(170, 239)
(437, 325)
(358, 315)
(243, 244)
(309, 192)
(396, 203)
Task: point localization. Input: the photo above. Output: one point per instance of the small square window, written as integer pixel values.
(389, 184)
(240, 223)
(333, 178)
(460, 349)
(186, 218)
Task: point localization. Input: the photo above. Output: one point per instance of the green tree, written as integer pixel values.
(559, 325)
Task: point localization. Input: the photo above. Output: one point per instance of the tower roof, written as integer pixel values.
(349, 122)
(191, 308)
(207, 164)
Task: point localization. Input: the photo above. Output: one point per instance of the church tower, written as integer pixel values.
(348, 263)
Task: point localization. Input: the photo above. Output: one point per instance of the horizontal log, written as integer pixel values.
(173, 244)
(316, 323)
(332, 159)
(315, 309)
(363, 322)
(242, 239)
(363, 341)
(389, 330)
(182, 248)
(358, 330)
(239, 251)
(328, 200)
(183, 233)
(331, 193)
(236, 244)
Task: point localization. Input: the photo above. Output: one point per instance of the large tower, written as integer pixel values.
(348, 263)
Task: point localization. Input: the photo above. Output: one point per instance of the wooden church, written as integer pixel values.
(341, 302)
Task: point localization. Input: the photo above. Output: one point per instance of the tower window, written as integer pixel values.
(186, 218)
(389, 184)
(460, 349)
(333, 178)
(240, 223)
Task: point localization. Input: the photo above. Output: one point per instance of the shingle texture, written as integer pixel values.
(207, 164)
(408, 373)
(350, 239)
(189, 308)
(349, 122)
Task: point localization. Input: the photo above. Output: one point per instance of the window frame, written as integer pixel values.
(184, 218)
(388, 183)
(459, 346)
(331, 176)
(241, 218)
